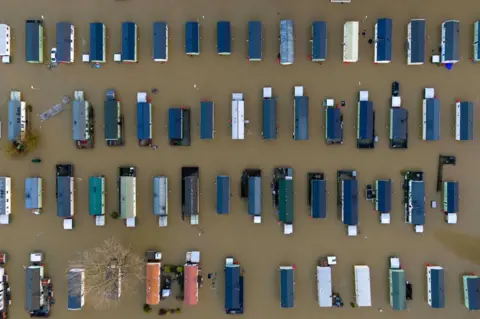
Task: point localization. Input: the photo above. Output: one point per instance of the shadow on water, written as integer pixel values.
(464, 246)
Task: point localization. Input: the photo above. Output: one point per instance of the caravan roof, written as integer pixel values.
(111, 119)
(34, 41)
(350, 202)
(128, 197)
(431, 119)
(64, 42)
(160, 41)
(363, 295)
(416, 41)
(33, 193)
(223, 194)
(129, 41)
(319, 198)
(206, 120)
(76, 294)
(436, 286)
(333, 127)
(96, 195)
(398, 296)
(285, 201)
(15, 110)
(301, 118)
(254, 195)
(398, 123)
(254, 40)
(192, 38)
(190, 284)
(450, 38)
(383, 40)
(160, 195)
(269, 118)
(287, 287)
(319, 41)
(464, 121)
(175, 123)
(79, 120)
(191, 196)
(471, 288)
(365, 130)
(416, 202)
(33, 296)
(287, 42)
(97, 42)
(153, 283)
(450, 197)
(144, 120)
(224, 38)
(64, 196)
(233, 289)
(324, 286)
(383, 201)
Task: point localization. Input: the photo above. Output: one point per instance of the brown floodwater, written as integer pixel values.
(185, 81)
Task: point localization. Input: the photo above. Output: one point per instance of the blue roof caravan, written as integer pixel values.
(144, 120)
(127, 194)
(34, 34)
(65, 194)
(464, 121)
(192, 38)
(34, 194)
(269, 130)
(223, 194)
(300, 115)
(283, 199)
(65, 42)
(431, 116)
(287, 42)
(471, 291)
(96, 199)
(224, 38)
(398, 123)
(350, 41)
(251, 192)
(113, 119)
(436, 286)
(451, 201)
(287, 286)
(5, 200)
(365, 122)
(129, 42)
(398, 283)
(319, 41)
(76, 288)
(98, 42)
(317, 195)
(347, 199)
(160, 42)
(449, 44)
(179, 126)
(190, 194)
(414, 199)
(333, 122)
(160, 199)
(476, 41)
(82, 121)
(207, 120)
(254, 41)
(238, 116)
(234, 287)
(17, 118)
(383, 41)
(416, 42)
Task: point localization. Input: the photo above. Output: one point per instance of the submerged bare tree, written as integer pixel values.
(110, 270)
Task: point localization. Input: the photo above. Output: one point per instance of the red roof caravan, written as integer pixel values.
(191, 283)
(153, 269)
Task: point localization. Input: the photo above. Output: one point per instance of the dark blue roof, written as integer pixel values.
(64, 41)
(32, 40)
(192, 37)
(160, 40)
(319, 40)
(269, 119)
(465, 121)
(473, 291)
(286, 288)
(129, 41)
(64, 204)
(384, 196)
(451, 192)
(254, 40)
(301, 118)
(384, 40)
(223, 194)
(319, 198)
(417, 189)
(432, 120)
(438, 288)
(144, 118)
(350, 201)
(417, 40)
(233, 289)
(451, 29)
(74, 300)
(254, 195)
(111, 119)
(365, 120)
(398, 123)
(333, 118)
(175, 124)
(206, 120)
(224, 39)
(97, 45)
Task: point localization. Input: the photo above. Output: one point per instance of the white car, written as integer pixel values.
(53, 55)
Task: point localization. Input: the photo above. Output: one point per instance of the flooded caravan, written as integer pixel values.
(251, 191)
(34, 35)
(5, 43)
(464, 121)
(436, 286)
(113, 274)
(416, 42)
(254, 41)
(287, 286)
(113, 119)
(414, 199)
(300, 115)
(347, 200)
(5, 296)
(17, 118)
(224, 38)
(324, 281)
(381, 195)
(38, 288)
(398, 134)
(451, 201)
(365, 122)
(207, 120)
(333, 123)
(319, 41)
(153, 278)
(127, 194)
(192, 38)
(65, 194)
(223, 194)
(5, 200)
(363, 294)
(179, 126)
(190, 194)
(96, 199)
(65, 43)
(287, 42)
(317, 195)
(350, 41)
(383, 41)
(160, 199)
(160, 42)
(34, 194)
(471, 291)
(398, 285)
(269, 128)
(449, 45)
(76, 288)
(476, 41)
(82, 122)
(233, 287)
(191, 282)
(98, 42)
(144, 120)
(129, 42)
(431, 116)
(282, 193)
(238, 116)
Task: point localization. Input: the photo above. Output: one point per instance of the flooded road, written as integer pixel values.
(185, 81)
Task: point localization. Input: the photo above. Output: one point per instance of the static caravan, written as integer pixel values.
(450, 37)
(129, 42)
(464, 121)
(192, 38)
(112, 119)
(34, 297)
(160, 199)
(82, 121)
(179, 126)
(224, 38)
(476, 42)
(5, 43)
(160, 42)
(319, 41)
(398, 285)
(65, 42)
(451, 201)
(65, 207)
(383, 199)
(363, 295)
(350, 41)
(414, 199)
(255, 198)
(98, 42)
(5, 200)
(153, 283)
(383, 41)
(191, 271)
(416, 42)
(269, 128)
(349, 205)
(471, 292)
(113, 274)
(436, 286)
(96, 198)
(324, 286)
(5, 295)
(365, 122)
(127, 193)
(317, 195)
(287, 287)
(398, 128)
(34, 35)
(283, 199)
(17, 118)
(223, 194)
(287, 42)
(238, 116)
(34, 194)
(431, 116)
(254, 41)
(76, 288)
(333, 125)
(207, 120)
(144, 120)
(233, 287)
(300, 115)
(190, 194)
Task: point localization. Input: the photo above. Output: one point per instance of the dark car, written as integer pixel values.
(395, 88)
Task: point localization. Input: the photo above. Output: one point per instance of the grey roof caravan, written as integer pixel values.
(269, 130)
(190, 194)
(113, 119)
(160, 199)
(287, 42)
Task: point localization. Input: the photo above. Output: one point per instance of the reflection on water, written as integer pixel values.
(464, 246)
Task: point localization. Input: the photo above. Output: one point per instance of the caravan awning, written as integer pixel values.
(206, 120)
(398, 295)
(285, 201)
(383, 201)
(223, 194)
(269, 118)
(324, 286)
(451, 197)
(233, 289)
(254, 195)
(350, 202)
(254, 40)
(287, 284)
(319, 198)
(436, 286)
